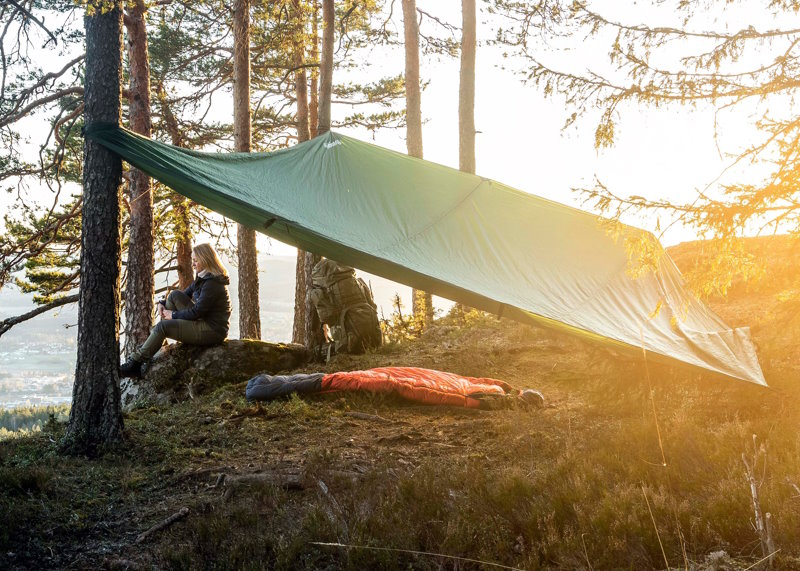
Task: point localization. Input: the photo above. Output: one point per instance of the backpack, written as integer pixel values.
(345, 303)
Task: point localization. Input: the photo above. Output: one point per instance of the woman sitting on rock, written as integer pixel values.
(198, 315)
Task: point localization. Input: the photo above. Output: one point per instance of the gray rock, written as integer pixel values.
(718, 561)
(178, 371)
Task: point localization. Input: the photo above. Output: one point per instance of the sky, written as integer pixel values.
(669, 152)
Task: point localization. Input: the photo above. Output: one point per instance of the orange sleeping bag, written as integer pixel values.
(421, 385)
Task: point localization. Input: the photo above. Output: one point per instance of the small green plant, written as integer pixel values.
(400, 327)
(297, 407)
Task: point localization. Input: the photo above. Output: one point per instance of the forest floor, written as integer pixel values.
(631, 464)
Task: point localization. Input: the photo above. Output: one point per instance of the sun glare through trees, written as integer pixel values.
(399, 284)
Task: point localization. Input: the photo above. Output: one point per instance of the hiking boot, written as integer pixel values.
(131, 368)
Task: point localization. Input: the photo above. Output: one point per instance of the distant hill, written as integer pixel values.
(780, 254)
(750, 303)
(276, 291)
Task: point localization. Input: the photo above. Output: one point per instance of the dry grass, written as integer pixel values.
(566, 487)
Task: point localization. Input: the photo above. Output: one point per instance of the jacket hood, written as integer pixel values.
(224, 280)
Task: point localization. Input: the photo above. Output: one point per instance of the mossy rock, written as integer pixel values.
(181, 371)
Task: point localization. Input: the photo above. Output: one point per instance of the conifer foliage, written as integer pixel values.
(739, 59)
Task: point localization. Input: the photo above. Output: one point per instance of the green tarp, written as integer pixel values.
(457, 235)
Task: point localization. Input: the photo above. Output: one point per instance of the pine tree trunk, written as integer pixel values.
(310, 318)
(95, 419)
(300, 76)
(300, 287)
(466, 91)
(249, 318)
(180, 206)
(301, 93)
(313, 107)
(413, 98)
(313, 328)
(168, 117)
(466, 97)
(312, 334)
(140, 289)
(421, 302)
(326, 68)
(183, 241)
(249, 311)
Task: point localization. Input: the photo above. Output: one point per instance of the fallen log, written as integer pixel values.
(183, 512)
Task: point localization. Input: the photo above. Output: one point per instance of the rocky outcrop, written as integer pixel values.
(182, 371)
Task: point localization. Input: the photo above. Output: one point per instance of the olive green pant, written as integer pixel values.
(196, 332)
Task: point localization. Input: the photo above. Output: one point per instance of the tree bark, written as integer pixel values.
(249, 311)
(413, 98)
(300, 77)
(421, 302)
(313, 328)
(466, 91)
(181, 206)
(466, 97)
(313, 335)
(183, 240)
(301, 93)
(140, 287)
(95, 419)
(300, 287)
(313, 107)
(326, 68)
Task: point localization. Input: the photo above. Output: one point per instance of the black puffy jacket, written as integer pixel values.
(211, 302)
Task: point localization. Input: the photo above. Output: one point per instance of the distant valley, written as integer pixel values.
(37, 357)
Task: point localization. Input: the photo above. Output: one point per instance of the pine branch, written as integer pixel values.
(42, 82)
(34, 19)
(745, 33)
(10, 322)
(8, 119)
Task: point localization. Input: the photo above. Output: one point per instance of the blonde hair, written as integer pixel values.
(207, 256)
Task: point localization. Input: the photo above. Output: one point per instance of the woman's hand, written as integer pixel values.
(164, 313)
